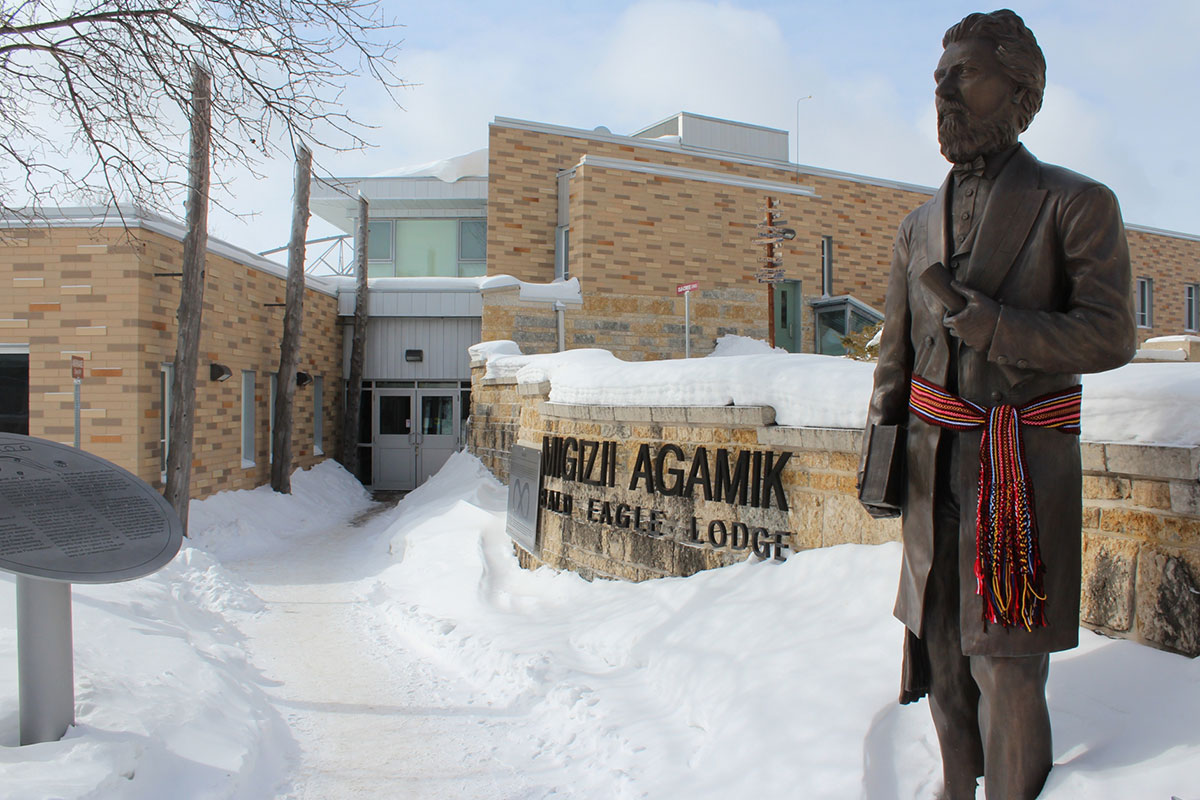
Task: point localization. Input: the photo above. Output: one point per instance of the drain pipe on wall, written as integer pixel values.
(560, 312)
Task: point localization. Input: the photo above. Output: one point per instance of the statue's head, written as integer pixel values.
(990, 82)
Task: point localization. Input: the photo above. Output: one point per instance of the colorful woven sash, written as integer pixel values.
(1008, 564)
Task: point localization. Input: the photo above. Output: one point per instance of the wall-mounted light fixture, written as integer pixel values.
(414, 355)
(787, 233)
(219, 372)
(303, 379)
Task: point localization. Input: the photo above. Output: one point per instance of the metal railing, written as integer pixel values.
(336, 258)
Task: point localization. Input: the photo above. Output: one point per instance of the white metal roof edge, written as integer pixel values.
(1191, 237)
(694, 115)
(125, 216)
(684, 173)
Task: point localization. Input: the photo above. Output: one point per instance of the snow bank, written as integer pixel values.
(733, 345)
(167, 705)
(248, 523)
(761, 680)
(1143, 403)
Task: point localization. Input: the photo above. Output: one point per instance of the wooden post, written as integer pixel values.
(358, 345)
(770, 285)
(293, 319)
(191, 301)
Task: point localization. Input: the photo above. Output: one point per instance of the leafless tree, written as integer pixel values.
(191, 302)
(94, 95)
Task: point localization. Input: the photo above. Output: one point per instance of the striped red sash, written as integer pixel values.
(1008, 564)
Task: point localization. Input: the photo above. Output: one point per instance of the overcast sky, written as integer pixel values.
(1123, 81)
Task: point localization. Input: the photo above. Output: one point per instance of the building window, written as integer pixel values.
(14, 389)
(166, 382)
(1145, 302)
(838, 317)
(379, 240)
(562, 250)
(472, 247)
(318, 415)
(1191, 307)
(826, 265)
(247, 418)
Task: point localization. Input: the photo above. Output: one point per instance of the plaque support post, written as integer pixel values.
(44, 659)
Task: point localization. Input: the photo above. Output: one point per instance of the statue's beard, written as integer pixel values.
(963, 137)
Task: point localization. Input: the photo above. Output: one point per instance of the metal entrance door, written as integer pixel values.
(438, 432)
(415, 431)
(787, 315)
(395, 440)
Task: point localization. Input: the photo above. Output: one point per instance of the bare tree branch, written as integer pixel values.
(94, 95)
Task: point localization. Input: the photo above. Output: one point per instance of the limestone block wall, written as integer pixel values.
(95, 292)
(1141, 548)
(1141, 507)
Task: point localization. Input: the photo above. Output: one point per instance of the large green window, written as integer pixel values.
(427, 248)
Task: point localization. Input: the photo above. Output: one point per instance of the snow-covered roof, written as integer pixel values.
(469, 165)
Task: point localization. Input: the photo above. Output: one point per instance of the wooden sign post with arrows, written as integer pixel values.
(771, 233)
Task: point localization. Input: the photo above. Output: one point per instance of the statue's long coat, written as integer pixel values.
(1051, 250)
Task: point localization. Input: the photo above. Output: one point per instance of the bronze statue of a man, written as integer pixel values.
(990, 399)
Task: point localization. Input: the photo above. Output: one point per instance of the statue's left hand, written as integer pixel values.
(976, 323)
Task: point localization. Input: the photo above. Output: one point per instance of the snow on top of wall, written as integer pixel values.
(1142, 403)
(497, 347)
(1186, 337)
(469, 165)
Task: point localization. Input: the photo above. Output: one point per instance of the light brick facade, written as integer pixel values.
(635, 235)
(97, 292)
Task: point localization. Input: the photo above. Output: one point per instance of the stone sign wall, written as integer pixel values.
(643, 492)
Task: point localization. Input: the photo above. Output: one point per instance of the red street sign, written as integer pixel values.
(683, 288)
(77, 367)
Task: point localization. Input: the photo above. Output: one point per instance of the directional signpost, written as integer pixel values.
(67, 516)
(686, 289)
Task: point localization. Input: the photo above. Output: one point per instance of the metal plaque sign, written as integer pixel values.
(67, 515)
(524, 488)
(77, 367)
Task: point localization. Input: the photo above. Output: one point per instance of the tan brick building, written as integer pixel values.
(634, 216)
(80, 282)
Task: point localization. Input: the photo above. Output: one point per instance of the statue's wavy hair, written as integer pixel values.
(1017, 51)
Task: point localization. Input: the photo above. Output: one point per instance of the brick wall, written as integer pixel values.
(636, 235)
(1173, 263)
(1141, 507)
(93, 291)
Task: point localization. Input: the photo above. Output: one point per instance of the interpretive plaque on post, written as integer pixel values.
(524, 488)
(67, 515)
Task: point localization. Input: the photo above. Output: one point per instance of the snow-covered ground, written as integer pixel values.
(301, 648)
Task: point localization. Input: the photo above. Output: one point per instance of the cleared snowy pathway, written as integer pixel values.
(372, 718)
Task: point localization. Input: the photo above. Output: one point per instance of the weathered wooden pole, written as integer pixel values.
(191, 301)
(358, 345)
(293, 319)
